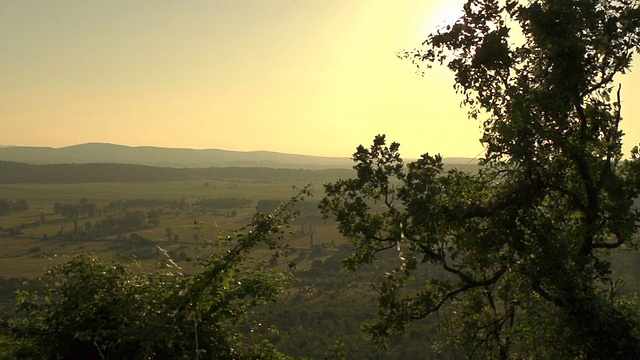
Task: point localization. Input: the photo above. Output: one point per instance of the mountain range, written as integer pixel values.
(93, 153)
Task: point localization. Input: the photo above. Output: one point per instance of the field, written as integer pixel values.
(47, 238)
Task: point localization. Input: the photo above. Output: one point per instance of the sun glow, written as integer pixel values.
(441, 15)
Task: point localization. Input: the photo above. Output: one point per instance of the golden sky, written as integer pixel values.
(315, 77)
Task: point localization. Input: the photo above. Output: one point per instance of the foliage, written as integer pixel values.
(94, 309)
(321, 314)
(524, 241)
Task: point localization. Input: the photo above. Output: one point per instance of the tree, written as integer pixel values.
(153, 217)
(57, 207)
(21, 206)
(6, 207)
(515, 256)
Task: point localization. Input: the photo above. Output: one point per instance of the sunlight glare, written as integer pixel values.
(441, 15)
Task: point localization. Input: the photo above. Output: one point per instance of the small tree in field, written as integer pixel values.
(524, 242)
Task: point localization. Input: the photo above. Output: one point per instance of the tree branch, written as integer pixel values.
(468, 286)
(604, 245)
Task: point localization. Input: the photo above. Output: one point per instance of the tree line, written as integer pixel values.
(13, 206)
(12, 173)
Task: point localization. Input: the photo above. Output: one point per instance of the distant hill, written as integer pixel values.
(93, 153)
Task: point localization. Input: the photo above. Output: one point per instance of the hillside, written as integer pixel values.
(165, 157)
(93, 153)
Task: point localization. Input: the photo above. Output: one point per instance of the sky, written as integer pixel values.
(314, 77)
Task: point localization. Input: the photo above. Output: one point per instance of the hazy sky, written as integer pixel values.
(314, 77)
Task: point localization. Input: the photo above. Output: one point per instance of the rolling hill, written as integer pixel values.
(93, 153)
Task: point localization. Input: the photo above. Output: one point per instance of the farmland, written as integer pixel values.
(37, 238)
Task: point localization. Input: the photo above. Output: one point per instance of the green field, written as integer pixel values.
(31, 252)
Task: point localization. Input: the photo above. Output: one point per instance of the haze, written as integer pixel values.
(306, 77)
